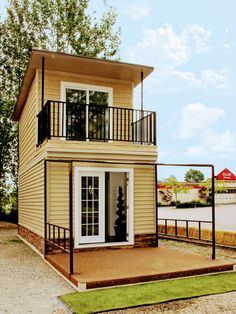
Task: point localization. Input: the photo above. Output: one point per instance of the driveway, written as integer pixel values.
(225, 215)
(27, 283)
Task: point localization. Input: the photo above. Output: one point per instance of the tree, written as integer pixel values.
(58, 25)
(193, 175)
(176, 187)
(206, 188)
(8, 154)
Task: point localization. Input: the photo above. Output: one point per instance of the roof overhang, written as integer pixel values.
(57, 61)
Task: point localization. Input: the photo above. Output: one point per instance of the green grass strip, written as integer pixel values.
(150, 293)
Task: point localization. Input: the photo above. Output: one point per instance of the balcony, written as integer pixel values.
(94, 122)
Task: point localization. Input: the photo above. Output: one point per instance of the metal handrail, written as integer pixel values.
(96, 122)
(55, 238)
(187, 221)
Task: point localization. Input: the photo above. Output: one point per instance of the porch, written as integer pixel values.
(110, 267)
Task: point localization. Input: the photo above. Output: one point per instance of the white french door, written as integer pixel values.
(90, 207)
(80, 121)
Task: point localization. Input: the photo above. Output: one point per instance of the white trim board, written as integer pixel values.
(130, 198)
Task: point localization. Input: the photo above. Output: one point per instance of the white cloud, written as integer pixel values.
(223, 143)
(138, 10)
(163, 154)
(168, 51)
(197, 118)
(220, 145)
(171, 80)
(229, 47)
(218, 79)
(196, 151)
(198, 36)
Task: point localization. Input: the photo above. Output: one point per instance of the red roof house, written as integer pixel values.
(226, 174)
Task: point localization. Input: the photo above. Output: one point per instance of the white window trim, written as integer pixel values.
(130, 198)
(87, 87)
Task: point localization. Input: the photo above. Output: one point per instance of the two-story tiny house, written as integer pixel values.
(83, 149)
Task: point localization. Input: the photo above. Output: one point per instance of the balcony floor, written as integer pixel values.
(111, 267)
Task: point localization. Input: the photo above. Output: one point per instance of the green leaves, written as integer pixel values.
(176, 187)
(193, 175)
(57, 25)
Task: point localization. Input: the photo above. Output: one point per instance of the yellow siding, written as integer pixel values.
(144, 200)
(122, 91)
(58, 193)
(31, 199)
(28, 128)
(144, 194)
(114, 151)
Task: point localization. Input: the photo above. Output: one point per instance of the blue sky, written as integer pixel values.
(192, 46)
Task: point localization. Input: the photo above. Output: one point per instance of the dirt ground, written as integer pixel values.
(27, 283)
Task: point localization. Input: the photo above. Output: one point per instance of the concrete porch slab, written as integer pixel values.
(111, 267)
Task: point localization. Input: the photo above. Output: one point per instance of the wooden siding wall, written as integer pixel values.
(28, 128)
(144, 195)
(58, 193)
(31, 199)
(122, 91)
(144, 200)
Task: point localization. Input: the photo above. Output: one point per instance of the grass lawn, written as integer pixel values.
(150, 293)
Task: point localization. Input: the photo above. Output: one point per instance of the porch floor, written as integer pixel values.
(111, 267)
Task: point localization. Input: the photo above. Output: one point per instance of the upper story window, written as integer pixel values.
(82, 121)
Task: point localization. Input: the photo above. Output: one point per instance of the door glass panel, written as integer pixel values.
(98, 98)
(89, 206)
(98, 115)
(76, 114)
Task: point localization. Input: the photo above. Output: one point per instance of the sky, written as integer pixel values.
(192, 46)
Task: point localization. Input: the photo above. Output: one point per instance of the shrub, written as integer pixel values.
(192, 204)
(173, 203)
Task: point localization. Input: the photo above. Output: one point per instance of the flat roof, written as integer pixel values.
(63, 62)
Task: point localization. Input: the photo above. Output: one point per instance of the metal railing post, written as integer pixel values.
(45, 208)
(213, 213)
(156, 200)
(71, 223)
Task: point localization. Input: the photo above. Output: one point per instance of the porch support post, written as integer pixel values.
(71, 222)
(213, 212)
(43, 63)
(45, 207)
(142, 90)
(156, 202)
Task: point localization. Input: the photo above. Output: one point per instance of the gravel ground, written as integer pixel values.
(27, 283)
(203, 250)
(214, 304)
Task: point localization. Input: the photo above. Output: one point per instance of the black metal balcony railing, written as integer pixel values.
(96, 122)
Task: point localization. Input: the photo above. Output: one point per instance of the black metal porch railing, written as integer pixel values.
(96, 122)
(58, 237)
(175, 223)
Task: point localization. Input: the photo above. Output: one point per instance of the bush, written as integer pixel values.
(159, 204)
(10, 216)
(173, 203)
(193, 204)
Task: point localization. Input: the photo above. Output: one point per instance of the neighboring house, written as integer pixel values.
(226, 196)
(80, 139)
